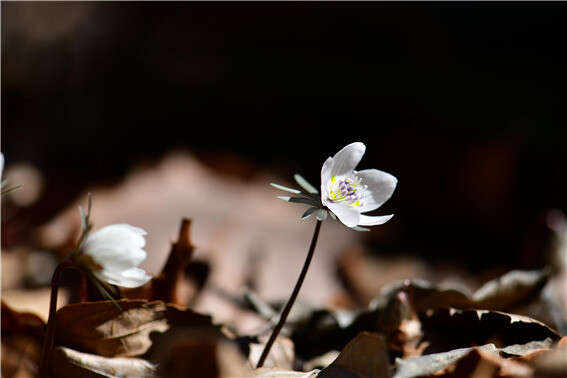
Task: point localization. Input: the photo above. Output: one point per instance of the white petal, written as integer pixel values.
(133, 277)
(346, 160)
(381, 186)
(348, 215)
(325, 177)
(115, 257)
(122, 234)
(116, 246)
(366, 220)
(1, 164)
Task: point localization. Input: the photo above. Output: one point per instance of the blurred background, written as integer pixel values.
(463, 102)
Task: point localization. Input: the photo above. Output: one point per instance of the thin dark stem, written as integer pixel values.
(48, 342)
(291, 300)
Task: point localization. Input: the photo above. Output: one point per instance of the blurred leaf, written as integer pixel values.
(432, 363)
(547, 362)
(22, 337)
(511, 290)
(364, 356)
(484, 361)
(282, 354)
(100, 328)
(197, 352)
(318, 333)
(425, 295)
(70, 363)
(448, 329)
(21, 323)
(276, 372)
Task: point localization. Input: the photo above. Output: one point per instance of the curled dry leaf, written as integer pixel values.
(479, 363)
(70, 363)
(547, 362)
(511, 290)
(486, 360)
(101, 328)
(425, 296)
(449, 329)
(276, 372)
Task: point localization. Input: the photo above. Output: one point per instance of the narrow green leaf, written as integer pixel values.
(281, 187)
(308, 212)
(307, 201)
(304, 184)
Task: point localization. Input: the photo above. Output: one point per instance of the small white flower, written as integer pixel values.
(345, 193)
(113, 253)
(349, 193)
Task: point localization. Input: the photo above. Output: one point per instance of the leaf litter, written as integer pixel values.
(198, 318)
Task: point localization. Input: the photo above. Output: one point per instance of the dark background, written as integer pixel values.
(463, 102)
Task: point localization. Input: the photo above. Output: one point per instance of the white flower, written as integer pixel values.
(349, 193)
(345, 193)
(113, 253)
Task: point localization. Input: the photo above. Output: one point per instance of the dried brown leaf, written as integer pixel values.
(448, 329)
(548, 362)
(478, 363)
(364, 356)
(275, 372)
(482, 361)
(511, 290)
(101, 328)
(22, 337)
(200, 353)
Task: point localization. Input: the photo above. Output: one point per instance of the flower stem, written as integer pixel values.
(291, 300)
(50, 333)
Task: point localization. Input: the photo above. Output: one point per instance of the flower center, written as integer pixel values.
(346, 190)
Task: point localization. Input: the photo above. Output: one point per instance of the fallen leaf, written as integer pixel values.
(22, 337)
(513, 289)
(67, 362)
(448, 329)
(548, 362)
(275, 372)
(437, 363)
(479, 363)
(197, 352)
(364, 356)
(104, 329)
